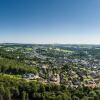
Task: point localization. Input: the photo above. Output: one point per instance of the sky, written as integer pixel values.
(50, 21)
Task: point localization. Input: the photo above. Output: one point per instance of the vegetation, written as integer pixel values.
(15, 67)
(19, 89)
(59, 72)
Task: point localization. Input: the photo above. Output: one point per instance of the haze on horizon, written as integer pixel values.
(50, 21)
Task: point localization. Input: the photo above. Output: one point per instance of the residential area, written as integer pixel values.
(71, 65)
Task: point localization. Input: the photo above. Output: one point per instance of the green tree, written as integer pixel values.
(59, 97)
(85, 98)
(2, 92)
(23, 95)
(7, 94)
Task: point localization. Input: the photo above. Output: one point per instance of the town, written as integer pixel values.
(71, 65)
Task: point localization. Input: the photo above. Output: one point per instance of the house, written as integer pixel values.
(90, 83)
(30, 76)
(55, 78)
(44, 66)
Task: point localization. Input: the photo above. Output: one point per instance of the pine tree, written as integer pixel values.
(23, 95)
(2, 92)
(7, 94)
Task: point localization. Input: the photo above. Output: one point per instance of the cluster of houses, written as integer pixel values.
(86, 66)
(74, 79)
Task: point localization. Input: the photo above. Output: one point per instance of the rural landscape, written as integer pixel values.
(49, 49)
(49, 72)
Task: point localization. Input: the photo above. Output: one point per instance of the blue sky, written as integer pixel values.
(50, 21)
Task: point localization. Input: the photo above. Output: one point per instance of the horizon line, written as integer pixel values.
(51, 43)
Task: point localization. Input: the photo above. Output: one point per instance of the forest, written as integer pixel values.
(18, 89)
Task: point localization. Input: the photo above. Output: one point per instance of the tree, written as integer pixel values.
(42, 88)
(92, 94)
(59, 97)
(7, 94)
(27, 97)
(75, 98)
(65, 96)
(2, 92)
(23, 95)
(85, 98)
